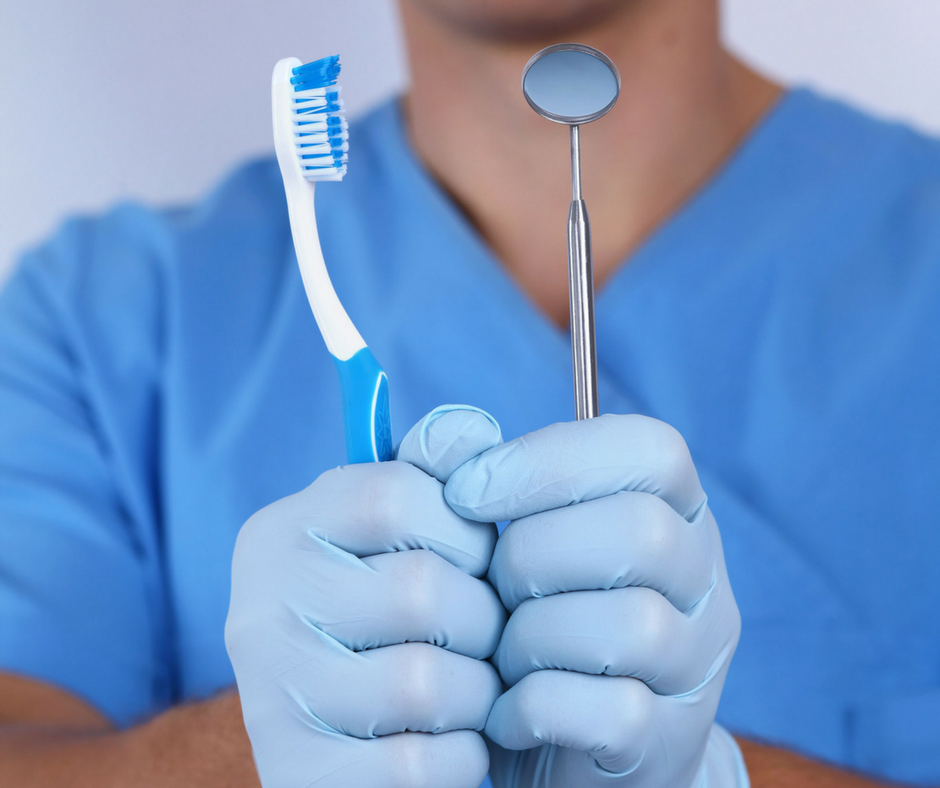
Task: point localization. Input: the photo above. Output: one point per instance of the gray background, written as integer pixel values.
(102, 100)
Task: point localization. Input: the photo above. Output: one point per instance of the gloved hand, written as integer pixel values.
(622, 619)
(358, 626)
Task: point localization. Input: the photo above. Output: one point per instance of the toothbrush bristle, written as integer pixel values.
(321, 131)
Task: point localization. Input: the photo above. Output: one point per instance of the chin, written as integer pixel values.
(522, 20)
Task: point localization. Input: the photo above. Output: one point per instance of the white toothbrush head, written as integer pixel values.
(310, 130)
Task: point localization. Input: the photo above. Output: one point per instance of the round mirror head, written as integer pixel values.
(571, 83)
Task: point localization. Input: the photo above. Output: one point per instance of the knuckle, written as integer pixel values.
(411, 758)
(655, 528)
(635, 702)
(654, 624)
(479, 555)
(521, 625)
(420, 678)
(672, 448)
(492, 686)
(251, 534)
(531, 695)
(421, 760)
(387, 495)
(512, 560)
(421, 574)
(255, 544)
(268, 529)
(669, 445)
(385, 498)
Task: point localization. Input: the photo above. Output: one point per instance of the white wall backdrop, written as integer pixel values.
(107, 99)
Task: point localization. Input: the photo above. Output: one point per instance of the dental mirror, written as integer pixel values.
(571, 83)
(575, 84)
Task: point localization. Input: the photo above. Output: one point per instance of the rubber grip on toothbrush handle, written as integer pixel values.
(366, 414)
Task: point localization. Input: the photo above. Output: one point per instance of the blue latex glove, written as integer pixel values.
(622, 621)
(358, 625)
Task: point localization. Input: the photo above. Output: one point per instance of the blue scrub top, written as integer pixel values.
(162, 378)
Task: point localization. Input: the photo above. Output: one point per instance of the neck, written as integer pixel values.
(684, 105)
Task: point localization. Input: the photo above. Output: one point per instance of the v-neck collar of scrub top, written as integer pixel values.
(665, 254)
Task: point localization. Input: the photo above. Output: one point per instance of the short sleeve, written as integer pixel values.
(81, 603)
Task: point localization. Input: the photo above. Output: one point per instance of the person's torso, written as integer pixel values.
(785, 321)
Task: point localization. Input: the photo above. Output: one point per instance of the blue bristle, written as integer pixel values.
(318, 74)
(326, 111)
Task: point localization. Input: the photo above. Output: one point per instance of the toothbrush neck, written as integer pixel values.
(684, 105)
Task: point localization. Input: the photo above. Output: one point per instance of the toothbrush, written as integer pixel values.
(311, 141)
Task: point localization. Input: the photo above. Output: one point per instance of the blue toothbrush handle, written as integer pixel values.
(366, 415)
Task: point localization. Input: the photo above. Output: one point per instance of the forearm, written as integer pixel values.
(771, 767)
(200, 744)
